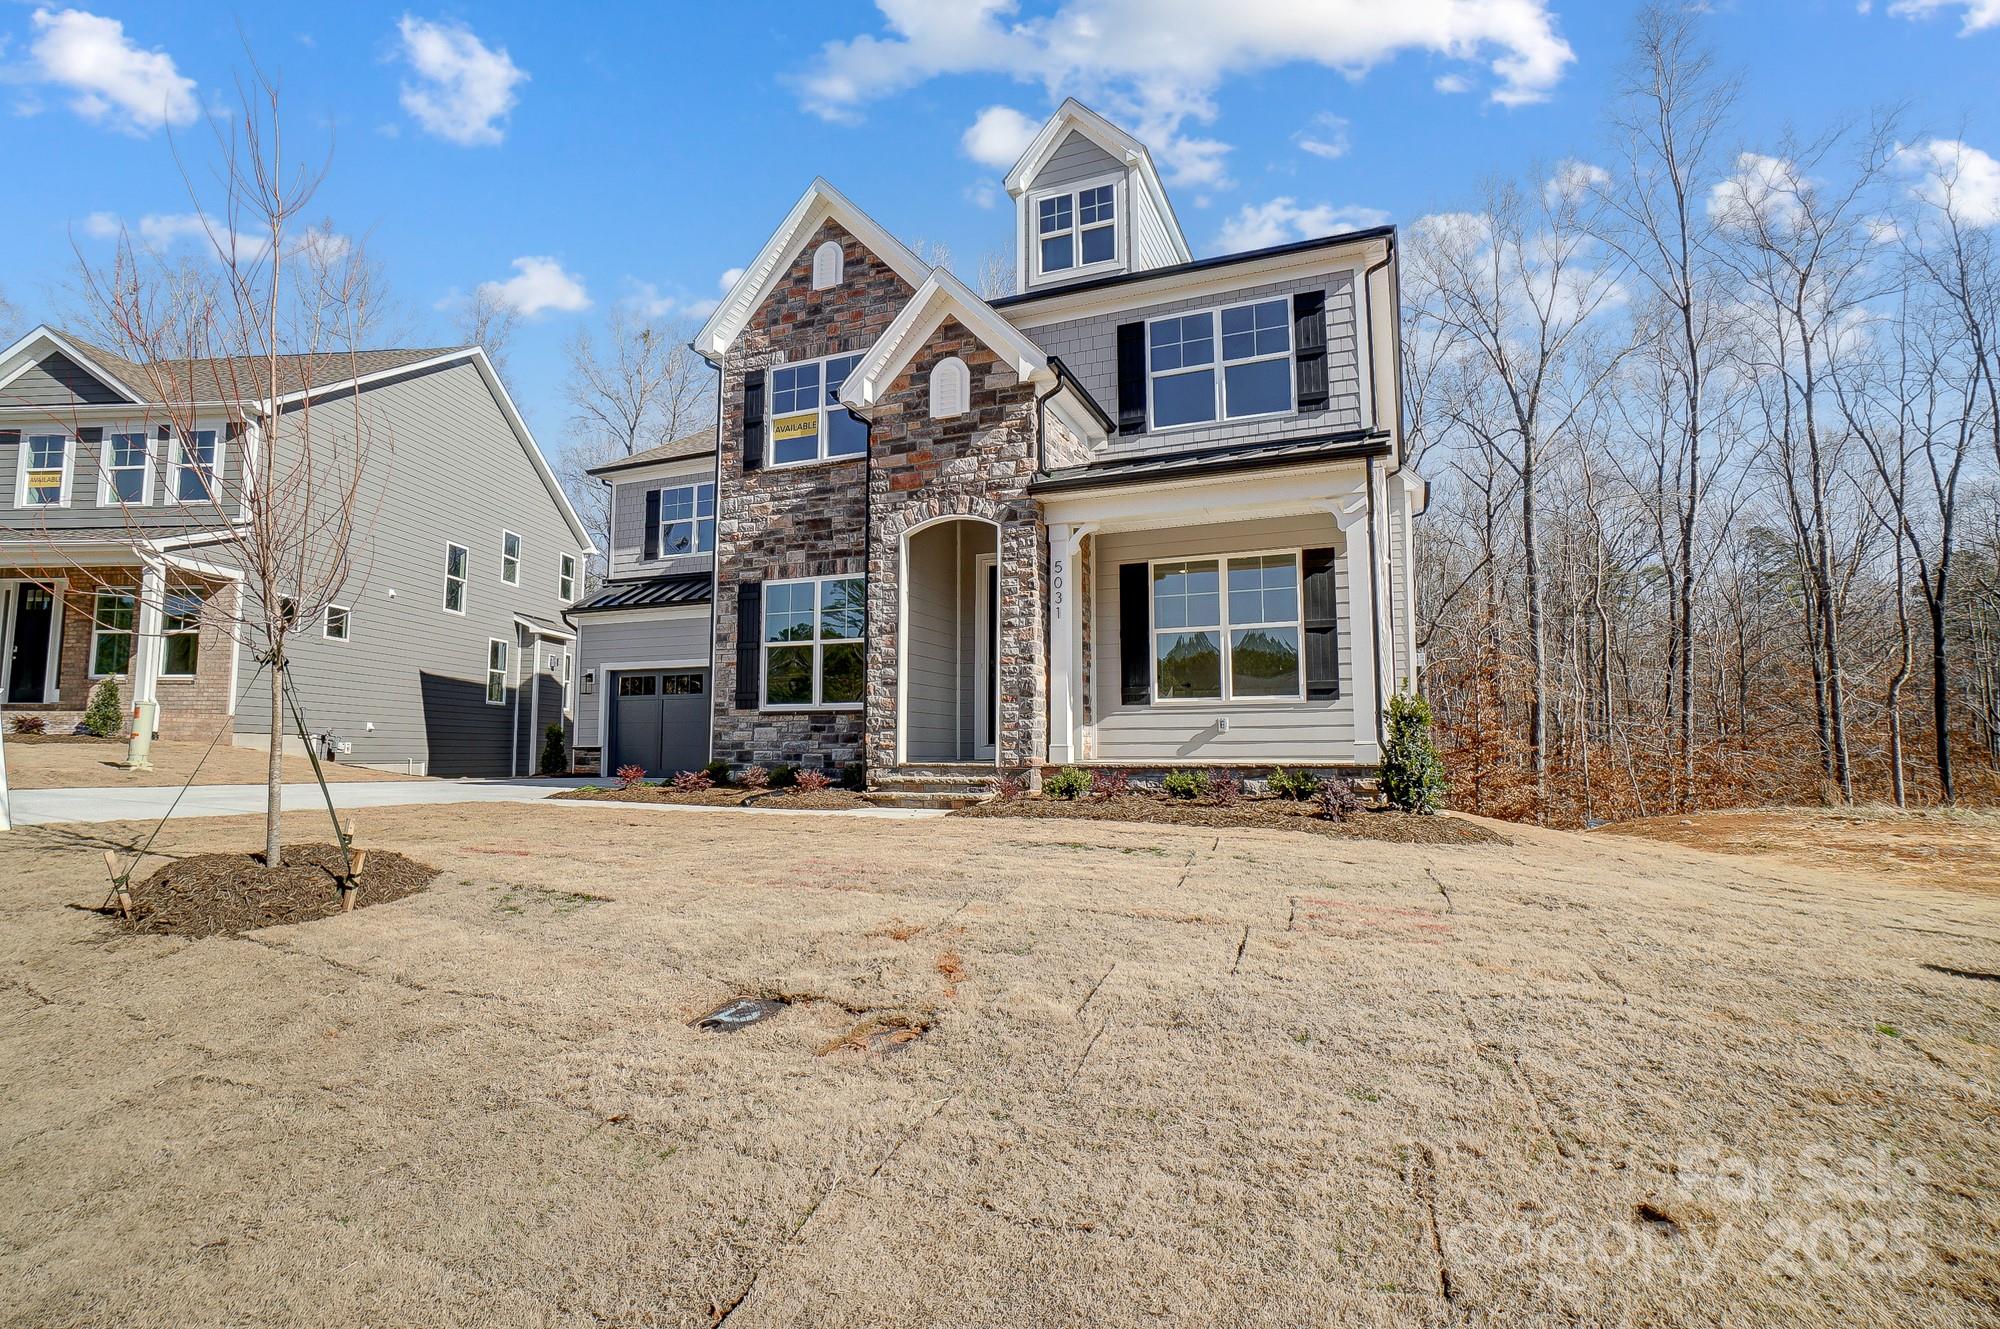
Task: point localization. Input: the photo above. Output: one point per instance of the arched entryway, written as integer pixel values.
(947, 673)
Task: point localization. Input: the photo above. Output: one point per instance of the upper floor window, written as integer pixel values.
(812, 642)
(196, 461)
(1188, 384)
(687, 520)
(566, 577)
(128, 469)
(338, 624)
(828, 265)
(45, 466)
(510, 558)
(808, 423)
(1076, 229)
(454, 578)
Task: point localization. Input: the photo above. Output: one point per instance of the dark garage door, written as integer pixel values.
(659, 720)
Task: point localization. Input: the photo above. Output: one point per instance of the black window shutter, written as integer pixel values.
(10, 438)
(233, 430)
(1131, 378)
(1309, 343)
(1135, 635)
(749, 644)
(1322, 626)
(652, 524)
(753, 420)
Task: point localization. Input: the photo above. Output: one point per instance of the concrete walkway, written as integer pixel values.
(37, 807)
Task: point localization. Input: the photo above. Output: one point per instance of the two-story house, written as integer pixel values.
(121, 529)
(1150, 511)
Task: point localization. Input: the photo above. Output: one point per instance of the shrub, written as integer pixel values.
(811, 782)
(1225, 790)
(1412, 775)
(1295, 785)
(854, 776)
(1337, 799)
(783, 776)
(27, 724)
(631, 777)
(1185, 784)
(1110, 784)
(555, 753)
(692, 782)
(753, 777)
(105, 715)
(1069, 782)
(1010, 787)
(717, 772)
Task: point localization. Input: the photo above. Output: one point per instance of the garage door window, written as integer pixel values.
(640, 686)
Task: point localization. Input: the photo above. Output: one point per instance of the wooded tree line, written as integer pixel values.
(1714, 441)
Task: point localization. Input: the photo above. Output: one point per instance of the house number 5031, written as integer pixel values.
(1056, 586)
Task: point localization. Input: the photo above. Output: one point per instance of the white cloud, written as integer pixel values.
(998, 136)
(1957, 175)
(115, 81)
(1451, 84)
(729, 278)
(1979, 14)
(1155, 64)
(1260, 224)
(161, 231)
(462, 86)
(1325, 136)
(1573, 179)
(1762, 187)
(538, 284)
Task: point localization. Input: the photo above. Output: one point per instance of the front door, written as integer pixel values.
(659, 720)
(28, 637)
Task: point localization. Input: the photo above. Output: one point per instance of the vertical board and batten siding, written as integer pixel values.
(1260, 733)
(931, 667)
(1089, 348)
(443, 466)
(604, 639)
(627, 557)
(57, 380)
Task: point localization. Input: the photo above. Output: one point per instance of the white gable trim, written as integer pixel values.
(818, 204)
(1073, 114)
(941, 296)
(17, 360)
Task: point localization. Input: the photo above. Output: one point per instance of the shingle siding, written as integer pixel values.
(628, 525)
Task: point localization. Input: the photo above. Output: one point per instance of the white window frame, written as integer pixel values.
(566, 577)
(175, 466)
(326, 632)
(1224, 627)
(107, 497)
(695, 519)
(464, 580)
(510, 564)
(168, 632)
(496, 673)
(97, 630)
(1216, 367)
(818, 644)
(1076, 228)
(821, 457)
(68, 436)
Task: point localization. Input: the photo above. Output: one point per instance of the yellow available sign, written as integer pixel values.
(795, 426)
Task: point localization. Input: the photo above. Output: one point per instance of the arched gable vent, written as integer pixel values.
(951, 388)
(827, 263)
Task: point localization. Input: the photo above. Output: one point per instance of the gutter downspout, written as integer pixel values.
(714, 592)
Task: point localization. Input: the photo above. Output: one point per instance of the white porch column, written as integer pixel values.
(148, 645)
(1352, 518)
(1065, 640)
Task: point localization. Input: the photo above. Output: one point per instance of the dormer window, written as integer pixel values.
(827, 265)
(1076, 229)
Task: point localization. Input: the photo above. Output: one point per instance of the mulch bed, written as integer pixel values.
(1247, 814)
(210, 895)
(837, 799)
(33, 740)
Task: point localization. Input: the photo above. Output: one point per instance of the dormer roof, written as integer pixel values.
(1073, 115)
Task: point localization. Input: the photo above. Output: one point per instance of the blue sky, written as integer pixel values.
(640, 156)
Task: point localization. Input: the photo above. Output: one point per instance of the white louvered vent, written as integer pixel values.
(826, 266)
(951, 388)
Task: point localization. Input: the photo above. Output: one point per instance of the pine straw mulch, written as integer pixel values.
(1280, 814)
(211, 895)
(824, 800)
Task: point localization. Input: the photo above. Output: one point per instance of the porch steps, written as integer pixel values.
(945, 785)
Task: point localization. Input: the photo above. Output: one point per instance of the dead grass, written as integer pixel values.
(1188, 1077)
(71, 763)
(1951, 848)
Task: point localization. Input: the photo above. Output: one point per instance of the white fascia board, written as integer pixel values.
(820, 202)
(680, 469)
(44, 333)
(1079, 418)
(1146, 289)
(545, 631)
(1141, 505)
(941, 296)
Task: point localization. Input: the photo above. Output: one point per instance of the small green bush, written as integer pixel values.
(105, 715)
(555, 753)
(717, 772)
(854, 775)
(1069, 782)
(1413, 777)
(783, 776)
(1299, 786)
(1185, 784)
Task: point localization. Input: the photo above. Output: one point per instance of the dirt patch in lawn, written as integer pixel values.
(209, 895)
(1953, 849)
(1247, 814)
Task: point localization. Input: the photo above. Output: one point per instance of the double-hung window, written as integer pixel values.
(454, 578)
(510, 558)
(1227, 629)
(687, 520)
(195, 465)
(128, 470)
(45, 467)
(1188, 383)
(566, 577)
(808, 423)
(180, 626)
(1076, 229)
(496, 672)
(338, 624)
(112, 616)
(812, 642)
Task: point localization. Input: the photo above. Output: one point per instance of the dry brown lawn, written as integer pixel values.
(69, 763)
(1167, 1077)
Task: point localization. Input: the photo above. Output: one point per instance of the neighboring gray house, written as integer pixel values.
(444, 652)
(1150, 511)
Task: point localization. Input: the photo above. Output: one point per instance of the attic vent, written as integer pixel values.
(951, 388)
(827, 263)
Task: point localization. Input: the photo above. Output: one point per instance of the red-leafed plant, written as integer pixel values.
(631, 777)
(692, 782)
(753, 777)
(811, 782)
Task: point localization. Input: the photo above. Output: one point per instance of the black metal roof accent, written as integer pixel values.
(1216, 461)
(693, 588)
(1198, 265)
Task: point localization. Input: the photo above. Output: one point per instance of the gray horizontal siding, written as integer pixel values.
(1259, 732)
(932, 678)
(1077, 159)
(84, 515)
(1089, 347)
(603, 639)
(57, 380)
